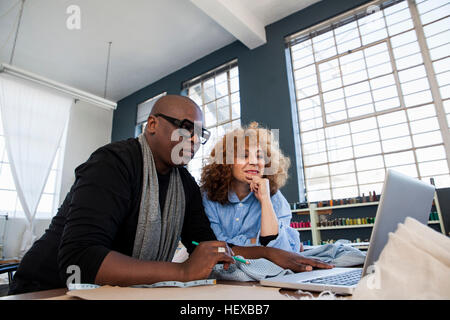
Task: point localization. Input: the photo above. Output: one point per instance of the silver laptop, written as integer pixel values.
(401, 197)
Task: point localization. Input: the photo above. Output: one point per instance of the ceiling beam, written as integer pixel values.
(236, 19)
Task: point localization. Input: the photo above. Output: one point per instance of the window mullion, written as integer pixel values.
(442, 120)
(322, 107)
(401, 97)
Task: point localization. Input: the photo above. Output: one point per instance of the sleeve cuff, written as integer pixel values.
(266, 239)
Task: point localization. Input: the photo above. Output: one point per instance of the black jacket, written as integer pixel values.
(100, 214)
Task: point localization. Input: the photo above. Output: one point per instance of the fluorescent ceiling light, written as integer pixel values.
(77, 94)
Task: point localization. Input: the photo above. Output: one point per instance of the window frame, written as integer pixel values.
(233, 122)
(330, 25)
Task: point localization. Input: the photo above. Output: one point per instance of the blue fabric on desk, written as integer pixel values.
(258, 269)
(338, 254)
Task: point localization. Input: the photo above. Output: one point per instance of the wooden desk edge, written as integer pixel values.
(60, 294)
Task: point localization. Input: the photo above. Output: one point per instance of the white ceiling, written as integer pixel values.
(150, 38)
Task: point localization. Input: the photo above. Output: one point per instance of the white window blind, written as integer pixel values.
(217, 93)
(373, 90)
(144, 109)
(10, 202)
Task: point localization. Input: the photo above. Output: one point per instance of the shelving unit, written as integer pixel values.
(369, 225)
(363, 204)
(314, 211)
(3, 221)
(438, 209)
(303, 229)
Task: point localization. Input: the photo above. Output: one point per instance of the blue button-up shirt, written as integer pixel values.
(239, 221)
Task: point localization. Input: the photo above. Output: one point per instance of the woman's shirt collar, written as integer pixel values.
(233, 198)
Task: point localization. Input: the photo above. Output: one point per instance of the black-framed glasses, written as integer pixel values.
(187, 125)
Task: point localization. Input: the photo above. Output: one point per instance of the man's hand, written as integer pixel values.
(294, 261)
(204, 257)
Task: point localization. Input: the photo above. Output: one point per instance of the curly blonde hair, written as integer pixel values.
(217, 174)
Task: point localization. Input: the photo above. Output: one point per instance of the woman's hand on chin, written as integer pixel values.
(261, 188)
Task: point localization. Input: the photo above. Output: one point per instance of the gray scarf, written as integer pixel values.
(157, 235)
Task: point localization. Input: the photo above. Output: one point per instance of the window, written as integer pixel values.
(217, 93)
(373, 93)
(143, 111)
(10, 202)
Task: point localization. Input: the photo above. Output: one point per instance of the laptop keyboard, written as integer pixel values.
(349, 278)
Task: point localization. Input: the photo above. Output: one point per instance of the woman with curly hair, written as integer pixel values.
(240, 189)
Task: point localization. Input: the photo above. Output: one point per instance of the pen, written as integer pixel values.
(235, 258)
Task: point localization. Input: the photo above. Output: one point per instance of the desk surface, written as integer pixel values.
(9, 261)
(60, 294)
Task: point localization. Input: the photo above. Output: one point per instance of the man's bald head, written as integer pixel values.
(173, 104)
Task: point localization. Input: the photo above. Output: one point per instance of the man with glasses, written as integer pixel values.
(131, 204)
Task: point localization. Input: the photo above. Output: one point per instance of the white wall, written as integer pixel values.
(89, 128)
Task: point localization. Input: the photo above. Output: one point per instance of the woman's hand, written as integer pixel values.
(261, 188)
(269, 221)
